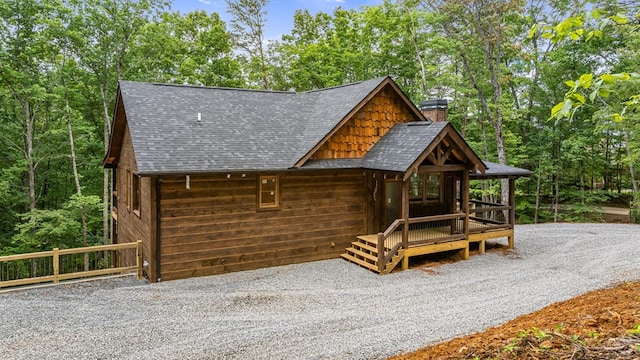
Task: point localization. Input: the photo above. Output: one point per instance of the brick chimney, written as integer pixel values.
(436, 109)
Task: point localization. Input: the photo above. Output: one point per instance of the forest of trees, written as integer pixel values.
(503, 65)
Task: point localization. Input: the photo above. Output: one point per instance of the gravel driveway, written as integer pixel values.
(321, 310)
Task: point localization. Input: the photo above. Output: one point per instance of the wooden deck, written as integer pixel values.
(364, 252)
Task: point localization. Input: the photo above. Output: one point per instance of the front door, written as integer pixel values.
(392, 201)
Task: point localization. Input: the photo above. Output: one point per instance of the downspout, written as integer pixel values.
(158, 229)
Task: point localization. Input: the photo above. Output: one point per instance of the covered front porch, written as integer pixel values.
(417, 197)
(405, 238)
(430, 211)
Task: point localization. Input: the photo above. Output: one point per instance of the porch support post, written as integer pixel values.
(512, 208)
(464, 200)
(405, 218)
(381, 254)
(464, 191)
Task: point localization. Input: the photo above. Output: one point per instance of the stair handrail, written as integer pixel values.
(382, 257)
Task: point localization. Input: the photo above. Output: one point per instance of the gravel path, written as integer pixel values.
(322, 310)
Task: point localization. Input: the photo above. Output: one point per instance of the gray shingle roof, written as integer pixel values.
(499, 170)
(402, 146)
(329, 164)
(238, 129)
(396, 151)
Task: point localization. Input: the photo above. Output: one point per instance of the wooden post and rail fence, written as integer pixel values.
(59, 264)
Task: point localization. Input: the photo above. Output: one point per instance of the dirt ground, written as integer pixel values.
(602, 324)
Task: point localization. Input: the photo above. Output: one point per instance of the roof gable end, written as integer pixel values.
(365, 92)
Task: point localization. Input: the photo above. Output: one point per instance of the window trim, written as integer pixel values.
(127, 188)
(424, 200)
(136, 192)
(268, 206)
(440, 188)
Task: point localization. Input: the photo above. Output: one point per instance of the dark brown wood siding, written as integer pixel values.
(132, 227)
(215, 227)
(355, 138)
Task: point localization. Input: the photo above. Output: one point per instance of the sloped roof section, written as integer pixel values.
(191, 129)
(402, 146)
(495, 170)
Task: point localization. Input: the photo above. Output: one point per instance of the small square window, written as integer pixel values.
(268, 192)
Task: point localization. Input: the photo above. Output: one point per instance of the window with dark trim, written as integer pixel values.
(135, 194)
(127, 189)
(268, 192)
(425, 188)
(432, 187)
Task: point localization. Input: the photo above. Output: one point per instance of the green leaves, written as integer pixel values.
(600, 88)
(573, 27)
(570, 27)
(562, 109)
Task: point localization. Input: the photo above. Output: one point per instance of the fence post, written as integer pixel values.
(56, 265)
(139, 259)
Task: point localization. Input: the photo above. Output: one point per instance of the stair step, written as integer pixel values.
(373, 250)
(365, 239)
(356, 252)
(362, 263)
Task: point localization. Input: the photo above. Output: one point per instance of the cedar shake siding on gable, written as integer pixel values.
(355, 138)
(132, 227)
(215, 227)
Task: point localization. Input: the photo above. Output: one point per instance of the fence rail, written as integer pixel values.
(56, 265)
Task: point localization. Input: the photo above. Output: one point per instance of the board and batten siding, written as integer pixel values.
(215, 226)
(132, 227)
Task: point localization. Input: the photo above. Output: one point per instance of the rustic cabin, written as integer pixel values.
(214, 180)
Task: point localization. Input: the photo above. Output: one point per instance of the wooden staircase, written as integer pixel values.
(364, 252)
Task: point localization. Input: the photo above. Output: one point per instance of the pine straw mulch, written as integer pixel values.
(601, 324)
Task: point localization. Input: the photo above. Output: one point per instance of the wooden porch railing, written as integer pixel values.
(487, 215)
(389, 245)
(403, 234)
(56, 265)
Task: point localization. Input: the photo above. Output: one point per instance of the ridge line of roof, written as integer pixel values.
(343, 85)
(212, 87)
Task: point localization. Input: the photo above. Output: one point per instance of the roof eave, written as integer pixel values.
(110, 159)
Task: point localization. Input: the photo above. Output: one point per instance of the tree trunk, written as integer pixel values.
(106, 193)
(28, 152)
(538, 186)
(556, 198)
(485, 150)
(423, 71)
(607, 161)
(582, 194)
(83, 214)
(634, 181)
